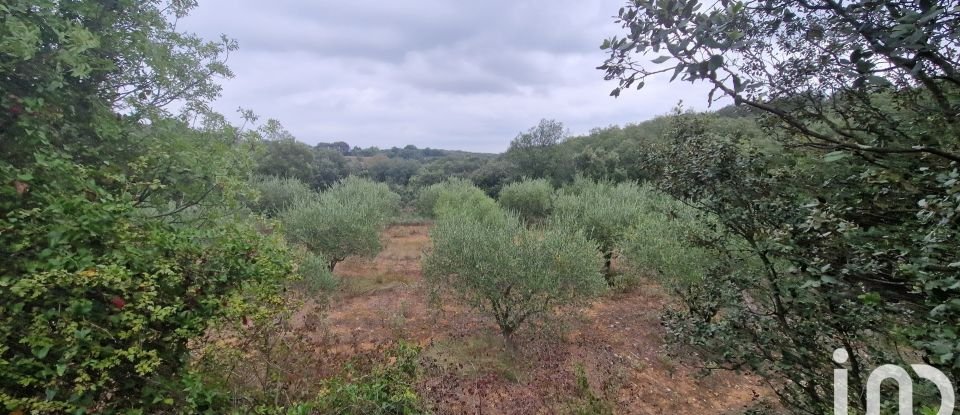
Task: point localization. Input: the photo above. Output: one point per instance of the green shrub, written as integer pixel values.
(427, 198)
(531, 199)
(121, 321)
(509, 272)
(119, 242)
(386, 388)
(345, 220)
(664, 240)
(459, 197)
(277, 194)
(376, 200)
(314, 271)
(603, 211)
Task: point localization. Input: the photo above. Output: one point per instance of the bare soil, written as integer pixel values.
(617, 344)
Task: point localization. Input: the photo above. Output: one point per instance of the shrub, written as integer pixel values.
(315, 275)
(664, 240)
(509, 272)
(386, 388)
(531, 199)
(459, 197)
(122, 322)
(426, 202)
(345, 220)
(261, 355)
(603, 211)
(277, 194)
(376, 200)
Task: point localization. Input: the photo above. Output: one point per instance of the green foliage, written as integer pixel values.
(345, 220)
(852, 252)
(799, 278)
(509, 272)
(604, 212)
(851, 224)
(427, 197)
(531, 199)
(588, 403)
(277, 194)
(119, 234)
(314, 271)
(120, 319)
(458, 197)
(284, 156)
(386, 388)
(375, 200)
(667, 239)
(394, 171)
(536, 152)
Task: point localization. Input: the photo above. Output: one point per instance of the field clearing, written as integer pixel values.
(616, 344)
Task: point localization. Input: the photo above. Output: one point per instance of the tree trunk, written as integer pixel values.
(511, 341)
(607, 271)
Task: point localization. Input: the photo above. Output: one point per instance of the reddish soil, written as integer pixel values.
(617, 343)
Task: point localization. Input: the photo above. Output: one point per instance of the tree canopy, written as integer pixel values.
(852, 218)
(121, 234)
(509, 272)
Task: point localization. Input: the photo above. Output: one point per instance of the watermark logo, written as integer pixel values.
(904, 385)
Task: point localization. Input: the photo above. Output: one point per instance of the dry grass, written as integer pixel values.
(618, 340)
(477, 355)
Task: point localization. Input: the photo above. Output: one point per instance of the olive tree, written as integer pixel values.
(532, 200)
(603, 211)
(277, 194)
(378, 203)
(509, 272)
(458, 196)
(343, 221)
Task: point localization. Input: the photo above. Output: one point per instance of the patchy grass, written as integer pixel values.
(586, 402)
(466, 368)
(477, 355)
(369, 285)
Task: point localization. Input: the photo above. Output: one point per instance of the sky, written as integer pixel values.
(449, 74)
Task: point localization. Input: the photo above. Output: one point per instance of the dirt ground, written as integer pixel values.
(615, 345)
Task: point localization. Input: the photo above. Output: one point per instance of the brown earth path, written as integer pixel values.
(617, 343)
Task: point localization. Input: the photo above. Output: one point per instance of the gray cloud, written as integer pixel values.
(433, 73)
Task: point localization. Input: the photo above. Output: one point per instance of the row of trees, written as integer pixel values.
(486, 257)
(536, 248)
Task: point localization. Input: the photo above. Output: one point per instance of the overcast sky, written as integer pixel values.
(451, 74)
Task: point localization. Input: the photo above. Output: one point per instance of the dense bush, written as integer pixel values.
(426, 202)
(531, 199)
(277, 194)
(383, 387)
(537, 153)
(314, 272)
(119, 238)
(458, 197)
(376, 201)
(854, 218)
(509, 272)
(345, 220)
(603, 211)
(667, 239)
